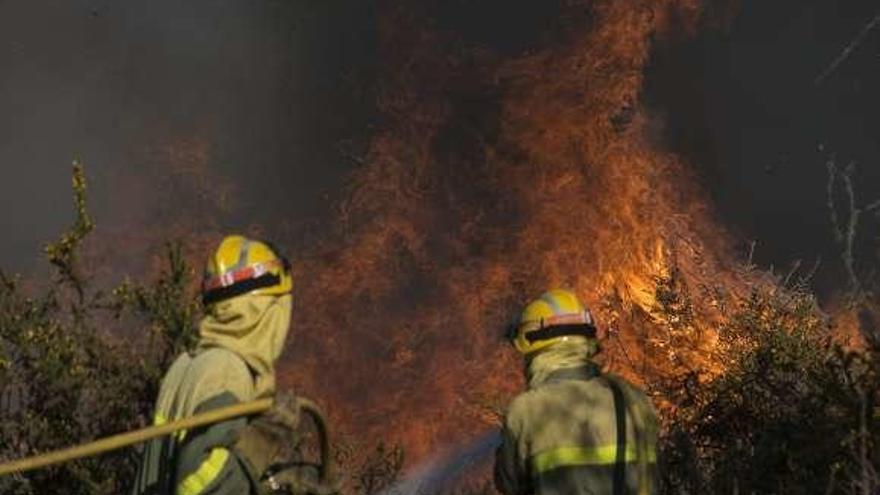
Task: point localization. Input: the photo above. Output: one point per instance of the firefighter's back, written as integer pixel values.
(567, 431)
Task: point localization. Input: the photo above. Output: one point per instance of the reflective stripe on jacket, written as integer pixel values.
(561, 437)
(197, 462)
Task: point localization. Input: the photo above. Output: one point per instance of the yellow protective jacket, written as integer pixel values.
(239, 343)
(563, 436)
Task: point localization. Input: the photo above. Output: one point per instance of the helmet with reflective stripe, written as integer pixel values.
(552, 318)
(245, 266)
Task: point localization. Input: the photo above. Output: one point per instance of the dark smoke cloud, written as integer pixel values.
(272, 87)
(277, 87)
(742, 106)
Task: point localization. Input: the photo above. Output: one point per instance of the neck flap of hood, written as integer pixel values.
(254, 327)
(572, 352)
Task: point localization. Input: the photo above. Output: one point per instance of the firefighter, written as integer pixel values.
(247, 296)
(575, 430)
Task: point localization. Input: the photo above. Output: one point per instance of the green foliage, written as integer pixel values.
(791, 413)
(65, 381)
(167, 306)
(62, 254)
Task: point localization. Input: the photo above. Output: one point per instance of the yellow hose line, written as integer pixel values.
(134, 437)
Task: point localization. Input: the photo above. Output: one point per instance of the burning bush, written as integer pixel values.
(791, 413)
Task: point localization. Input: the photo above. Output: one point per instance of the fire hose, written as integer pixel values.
(121, 440)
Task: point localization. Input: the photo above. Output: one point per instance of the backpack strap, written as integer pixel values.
(619, 475)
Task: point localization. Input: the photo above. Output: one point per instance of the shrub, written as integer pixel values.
(791, 413)
(65, 382)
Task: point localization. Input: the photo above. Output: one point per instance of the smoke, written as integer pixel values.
(262, 91)
(741, 107)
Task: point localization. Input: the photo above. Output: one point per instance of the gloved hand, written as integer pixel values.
(303, 479)
(265, 437)
(287, 409)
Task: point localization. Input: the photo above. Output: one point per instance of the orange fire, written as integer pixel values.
(491, 180)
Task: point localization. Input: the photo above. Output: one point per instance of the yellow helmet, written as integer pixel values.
(245, 266)
(553, 317)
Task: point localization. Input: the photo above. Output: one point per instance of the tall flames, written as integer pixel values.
(490, 180)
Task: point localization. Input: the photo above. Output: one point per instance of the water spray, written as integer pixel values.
(434, 475)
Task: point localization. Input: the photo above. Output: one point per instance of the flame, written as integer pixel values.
(489, 180)
(458, 216)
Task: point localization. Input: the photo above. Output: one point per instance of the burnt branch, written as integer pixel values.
(845, 228)
(847, 51)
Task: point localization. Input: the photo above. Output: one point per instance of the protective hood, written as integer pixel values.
(573, 352)
(254, 327)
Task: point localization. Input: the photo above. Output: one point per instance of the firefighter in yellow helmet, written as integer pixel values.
(575, 430)
(247, 296)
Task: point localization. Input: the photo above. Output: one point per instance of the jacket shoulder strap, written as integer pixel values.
(619, 480)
